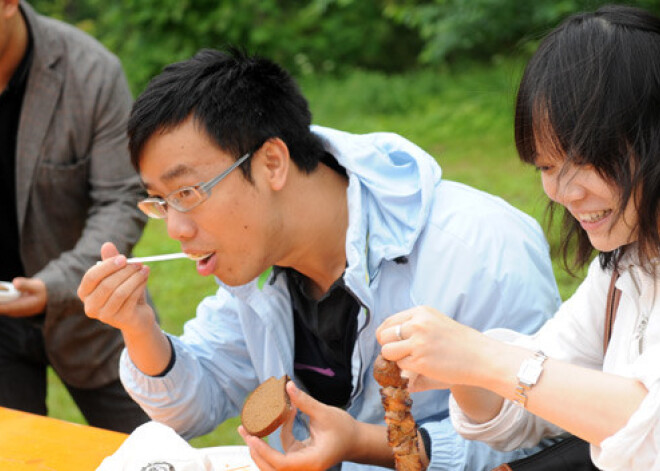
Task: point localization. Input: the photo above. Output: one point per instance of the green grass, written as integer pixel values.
(463, 118)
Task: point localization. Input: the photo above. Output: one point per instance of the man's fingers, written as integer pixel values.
(105, 279)
(108, 250)
(261, 463)
(286, 436)
(21, 283)
(131, 287)
(302, 401)
(106, 289)
(18, 306)
(257, 449)
(127, 292)
(99, 273)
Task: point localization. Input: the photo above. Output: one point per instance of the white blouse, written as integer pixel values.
(575, 335)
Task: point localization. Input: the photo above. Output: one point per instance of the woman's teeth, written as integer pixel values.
(595, 216)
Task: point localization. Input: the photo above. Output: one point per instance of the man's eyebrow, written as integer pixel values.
(171, 174)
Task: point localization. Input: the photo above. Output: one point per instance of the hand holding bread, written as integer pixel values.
(332, 437)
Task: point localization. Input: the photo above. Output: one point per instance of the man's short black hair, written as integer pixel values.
(240, 101)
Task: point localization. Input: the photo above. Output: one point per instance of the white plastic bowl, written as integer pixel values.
(8, 292)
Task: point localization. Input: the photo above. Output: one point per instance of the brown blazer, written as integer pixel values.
(75, 188)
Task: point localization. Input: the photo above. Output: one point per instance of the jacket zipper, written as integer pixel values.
(359, 383)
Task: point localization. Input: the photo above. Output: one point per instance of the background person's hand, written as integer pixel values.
(332, 436)
(33, 299)
(434, 350)
(114, 292)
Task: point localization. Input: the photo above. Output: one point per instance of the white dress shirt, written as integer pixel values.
(575, 335)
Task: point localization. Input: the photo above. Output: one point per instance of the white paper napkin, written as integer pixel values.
(157, 447)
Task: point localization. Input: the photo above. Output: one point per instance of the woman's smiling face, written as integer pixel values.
(591, 199)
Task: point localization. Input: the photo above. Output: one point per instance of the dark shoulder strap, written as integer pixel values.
(613, 297)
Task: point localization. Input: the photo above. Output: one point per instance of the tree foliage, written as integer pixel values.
(305, 37)
(483, 28)
(317, 35)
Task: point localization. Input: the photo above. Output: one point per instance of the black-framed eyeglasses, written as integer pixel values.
(186, 198)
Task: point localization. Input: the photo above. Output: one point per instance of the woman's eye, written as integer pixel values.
(544, 167)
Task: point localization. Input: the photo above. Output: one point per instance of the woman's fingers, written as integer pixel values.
(405, 324)
(423, 383)
(396, 351)
(396, 332)
(391, 322)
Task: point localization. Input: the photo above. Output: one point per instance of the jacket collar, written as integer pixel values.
(48, 47)
(42, 92)
(390, 192)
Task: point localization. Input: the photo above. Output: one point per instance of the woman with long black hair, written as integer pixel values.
(588, 118)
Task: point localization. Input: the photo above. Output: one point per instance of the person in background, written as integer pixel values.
(356, 228)
(67, 185)
(588, 118)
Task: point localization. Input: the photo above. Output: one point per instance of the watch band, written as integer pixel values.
(528, 375)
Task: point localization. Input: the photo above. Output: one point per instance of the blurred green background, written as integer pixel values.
(318, 37)
(441, 73)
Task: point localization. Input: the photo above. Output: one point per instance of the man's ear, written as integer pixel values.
(277, 161)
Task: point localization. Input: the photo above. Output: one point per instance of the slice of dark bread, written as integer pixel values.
(266, 407)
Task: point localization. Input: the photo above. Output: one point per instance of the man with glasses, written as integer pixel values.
(66, 186)
(186, 198)
(355, 227)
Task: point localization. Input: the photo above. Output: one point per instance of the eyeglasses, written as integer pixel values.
(186, 198)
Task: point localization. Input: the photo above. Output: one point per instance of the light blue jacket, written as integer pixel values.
(413, 239)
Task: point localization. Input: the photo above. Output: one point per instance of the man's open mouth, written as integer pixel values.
(199, 257)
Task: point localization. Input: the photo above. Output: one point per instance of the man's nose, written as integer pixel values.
(179, 225)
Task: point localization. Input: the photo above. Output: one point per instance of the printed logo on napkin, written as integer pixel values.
(161, 466)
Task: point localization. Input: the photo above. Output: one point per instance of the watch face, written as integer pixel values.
(530, 371)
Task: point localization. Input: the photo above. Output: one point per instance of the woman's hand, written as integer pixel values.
(433, 350)
(335, 436)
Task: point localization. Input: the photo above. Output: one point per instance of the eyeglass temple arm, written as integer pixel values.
(209, 184)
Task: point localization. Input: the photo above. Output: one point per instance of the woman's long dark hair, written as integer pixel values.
(594, 83)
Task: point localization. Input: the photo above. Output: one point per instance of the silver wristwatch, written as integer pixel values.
(528, 375)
